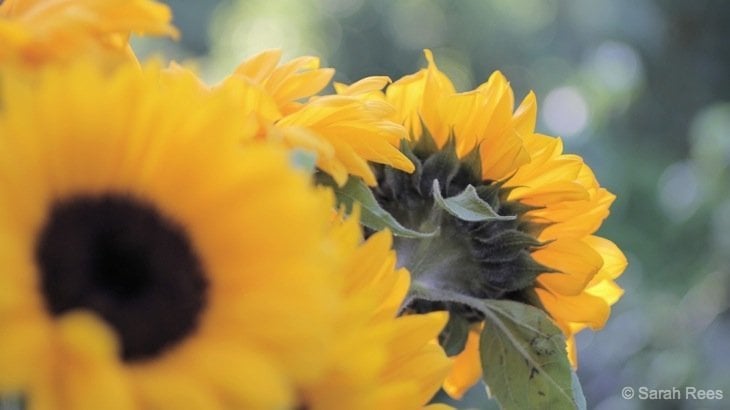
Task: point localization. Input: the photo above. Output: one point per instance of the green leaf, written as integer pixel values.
(303, 159)
(524, 360)
(372, 214)
(453, 337)
(467, 205)
(523, 354)
(578, 397)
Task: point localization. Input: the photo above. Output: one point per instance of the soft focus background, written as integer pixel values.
(640, 89)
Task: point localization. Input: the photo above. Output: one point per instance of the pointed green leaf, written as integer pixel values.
(524, 360)
(467, 205)
(372, 214)
(523, 353)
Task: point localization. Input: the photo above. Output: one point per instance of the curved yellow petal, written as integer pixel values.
(467, 370)
(582, 308)
(92, 376)
(36, 32)
(576, 262)
(614, 261)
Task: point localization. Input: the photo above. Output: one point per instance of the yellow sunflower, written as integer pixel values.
(345, 131)
(377, 360)
(148, 260)
(38, 31)
(542, 252)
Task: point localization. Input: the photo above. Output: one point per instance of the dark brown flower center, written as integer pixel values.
(122, 259)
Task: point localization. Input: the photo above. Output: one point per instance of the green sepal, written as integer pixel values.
(426, 145)
(397, 182)
(443, 165)
(490, 194)
(467, 205)
(510, 240)
(473, 162)
(372, 214)
(453, 337)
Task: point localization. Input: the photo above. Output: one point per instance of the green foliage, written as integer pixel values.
(467, 205)
(453, 337)
(524, 360)
(372, 214)
(522, 352)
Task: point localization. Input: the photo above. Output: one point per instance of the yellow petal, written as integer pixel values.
(406, 95)
(438, 406)
(260, 66)
(436, 95)
(467, 370)
(607, 290)
(499, 163)
(614, 261)
(525, 116)
(585, 217)
(550, 193)
(365, 86)
(427, 368)
(92, 374)
(415, 331)
(304, 84)
(583, 308)
(576, 262)
(26, 349)
(156, 390)
(242, 377)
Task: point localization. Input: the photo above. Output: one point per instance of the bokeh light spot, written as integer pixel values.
(565, 111)
(617, 65)
(679, 191)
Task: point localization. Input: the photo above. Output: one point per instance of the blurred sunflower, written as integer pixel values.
(145, 264)
(344, 131)
(38, 31)
(540, 249)
(377, 359)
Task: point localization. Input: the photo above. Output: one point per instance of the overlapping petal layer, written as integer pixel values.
(34, 32)
(345, 131)
(559, 200)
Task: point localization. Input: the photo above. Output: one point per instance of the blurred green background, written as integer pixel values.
(640, 89)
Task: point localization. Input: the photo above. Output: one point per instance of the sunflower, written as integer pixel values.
(377, 360)
(345, 131)
(35, 32)
(148, 260)
(540, 249)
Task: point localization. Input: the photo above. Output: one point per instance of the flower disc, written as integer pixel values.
(150, 259)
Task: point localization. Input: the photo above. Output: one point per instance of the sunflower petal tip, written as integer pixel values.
(429, 57)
